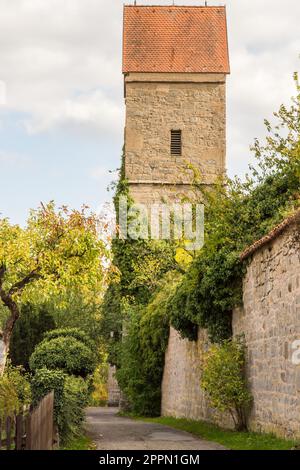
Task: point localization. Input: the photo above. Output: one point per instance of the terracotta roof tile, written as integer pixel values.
(278, 230)
(175, 39)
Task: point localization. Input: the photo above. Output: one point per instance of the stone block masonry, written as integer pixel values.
(182, 396)
(270, 322)
(114, 394)
(159, 103)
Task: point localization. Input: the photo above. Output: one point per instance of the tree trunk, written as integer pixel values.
(4, 349)
(7, 299)
(6, 334)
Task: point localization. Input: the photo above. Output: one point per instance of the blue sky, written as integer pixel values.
(56, 165)
(62, 120)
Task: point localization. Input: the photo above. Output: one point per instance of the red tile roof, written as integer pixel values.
(175, 39)
(278, 230)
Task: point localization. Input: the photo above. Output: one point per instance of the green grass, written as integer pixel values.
(230, 439)
(82, 442)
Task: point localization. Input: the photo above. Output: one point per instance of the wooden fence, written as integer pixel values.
(31, 431)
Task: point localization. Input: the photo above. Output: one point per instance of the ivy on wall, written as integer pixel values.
(237, 214)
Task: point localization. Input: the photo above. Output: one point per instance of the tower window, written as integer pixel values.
(176, 143)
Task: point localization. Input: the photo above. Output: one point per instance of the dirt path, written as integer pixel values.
(111, 432)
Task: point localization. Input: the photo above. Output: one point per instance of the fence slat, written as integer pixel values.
(32, 432)
(39, 428)
(28, 432)
(19, 432)
(8, 432)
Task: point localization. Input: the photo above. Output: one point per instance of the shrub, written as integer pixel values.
(65, 353)
(14, 391)
(9, 402)
(76, 333)
(70, 399)
(75, 399)
(99, 395)
(46, 381)
(224, 380)
(21, 382)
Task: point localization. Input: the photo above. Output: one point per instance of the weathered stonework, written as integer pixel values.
(114, 393)
(182, 396)
(159, 103)
(270, 322)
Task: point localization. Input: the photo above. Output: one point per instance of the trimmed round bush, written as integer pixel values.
(70, 399)
(76, 397)
(45, 381)
(64, 353)
(76, 333)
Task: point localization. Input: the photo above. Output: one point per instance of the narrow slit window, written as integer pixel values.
(176, 143)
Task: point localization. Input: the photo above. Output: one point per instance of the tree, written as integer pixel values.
(29, 331)
(56, 251)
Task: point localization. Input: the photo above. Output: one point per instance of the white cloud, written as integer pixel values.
(61, 61)
(90, 109)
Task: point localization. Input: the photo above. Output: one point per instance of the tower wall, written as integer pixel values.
(159, 103)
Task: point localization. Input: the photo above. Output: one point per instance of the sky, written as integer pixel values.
(61, 93)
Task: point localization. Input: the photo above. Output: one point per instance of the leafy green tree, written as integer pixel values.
(78, 309)
(143, 350)
(29, 331)
(138, 267)
(55, 252)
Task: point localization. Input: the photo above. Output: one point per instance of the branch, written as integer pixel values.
(19, 286)
(8, 301)
(2, 272)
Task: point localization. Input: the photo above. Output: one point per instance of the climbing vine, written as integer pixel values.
(134, 326)
(237, 214)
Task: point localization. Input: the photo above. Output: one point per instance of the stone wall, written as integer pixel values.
(182, 396)
(114, 393)
(158, 103)
(270, 321)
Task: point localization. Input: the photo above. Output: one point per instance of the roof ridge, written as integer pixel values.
(177, 6)
(272, 235)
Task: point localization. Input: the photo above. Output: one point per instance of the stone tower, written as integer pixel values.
(175, 62)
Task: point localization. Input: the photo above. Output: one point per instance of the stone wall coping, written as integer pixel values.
(171, 183)
(272, 235)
